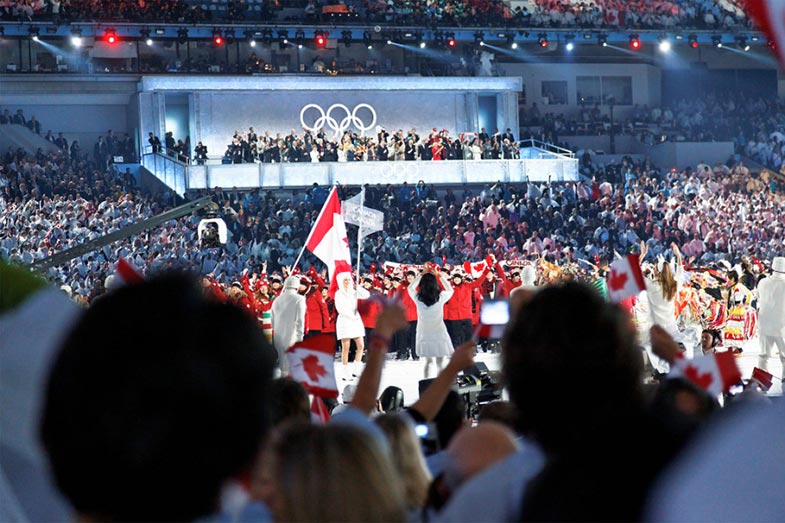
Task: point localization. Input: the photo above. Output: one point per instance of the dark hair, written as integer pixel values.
(429, 289)
(157, 396)
(288, 401)
(568, 334)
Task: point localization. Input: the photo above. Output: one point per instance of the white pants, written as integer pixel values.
(767, 344)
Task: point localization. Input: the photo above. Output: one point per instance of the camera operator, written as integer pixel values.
(201, 153)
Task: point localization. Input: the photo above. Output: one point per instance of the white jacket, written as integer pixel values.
(771, 305)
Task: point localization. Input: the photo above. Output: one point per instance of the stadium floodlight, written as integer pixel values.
(319, 39)
(569, 42)
(76, 37)
(110, 36)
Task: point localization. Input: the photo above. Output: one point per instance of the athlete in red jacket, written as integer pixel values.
(406, 343)
(458, 310)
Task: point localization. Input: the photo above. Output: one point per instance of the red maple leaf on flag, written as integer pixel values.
(617, 280)
(701, 380)
(478, 267)
(313, 368)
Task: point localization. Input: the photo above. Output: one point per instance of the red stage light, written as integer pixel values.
(321, 41)
(110, 37)
(218, 40)
(635, 43)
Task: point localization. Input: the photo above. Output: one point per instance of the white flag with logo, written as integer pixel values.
(369, 220)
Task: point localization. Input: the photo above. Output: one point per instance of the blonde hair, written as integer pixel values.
(408, 458)
(667, 282)
(332, 473)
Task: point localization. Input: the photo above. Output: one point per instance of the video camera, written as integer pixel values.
(211, 230)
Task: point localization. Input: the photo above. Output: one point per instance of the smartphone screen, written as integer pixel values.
(495, 312)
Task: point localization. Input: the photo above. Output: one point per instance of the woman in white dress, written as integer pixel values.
(432, 339)
(349, 325)
(662, 287)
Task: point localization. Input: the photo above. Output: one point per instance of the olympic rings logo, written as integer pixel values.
(326, 119)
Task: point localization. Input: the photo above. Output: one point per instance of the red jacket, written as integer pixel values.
(459, 307)
(406, 302)
(508, 285)
(316, 315)
(369, 310)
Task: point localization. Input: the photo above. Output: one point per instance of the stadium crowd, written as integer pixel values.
(714, 213)
(756, 126)
(596, 14)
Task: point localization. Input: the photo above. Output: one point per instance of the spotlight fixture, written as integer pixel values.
(389, 42)
(145, 36)
(283, 38)
(542, 39)
(602, 40)
(110, 36)
(267, 37)
(511, 41)
(450, 39)
(346, 38)
(218, 39)
(693, 40)
(76, 37)
(182, 36)
(229, 36)
(299, 38)
(664, 45)
(569, 42)
(635, 42)
(368, 39)
(249, 35)
(742, 44)
(423, 45)
(479, 36)
(717, 41)
(319, 39)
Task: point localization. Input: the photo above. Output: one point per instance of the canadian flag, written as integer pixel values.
(770, 17)
(124, 274)
(475, 269)
(625, 278)
(715, 373)
(328, 239)
(763, 378)
(320, 415)
(311, 363)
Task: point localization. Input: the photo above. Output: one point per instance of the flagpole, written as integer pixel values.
(360, 234)
(305, 244)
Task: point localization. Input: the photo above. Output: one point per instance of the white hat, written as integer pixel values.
(292, 282)
(778, 265)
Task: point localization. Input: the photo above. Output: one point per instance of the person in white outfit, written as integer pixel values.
(432, 339)
(349, 325)
(288, 320)
(771, 313)
(661, 291)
